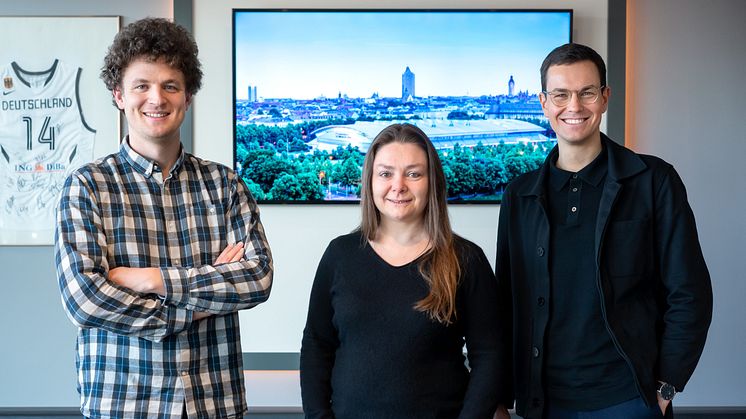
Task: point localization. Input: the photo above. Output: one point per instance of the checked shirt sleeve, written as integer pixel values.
(89, 299)
(228, 287)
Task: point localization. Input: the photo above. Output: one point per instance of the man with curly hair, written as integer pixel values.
(157, 249)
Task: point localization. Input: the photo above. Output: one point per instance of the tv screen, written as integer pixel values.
(312, 89)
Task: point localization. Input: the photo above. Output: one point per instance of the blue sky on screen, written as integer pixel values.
(304, 55)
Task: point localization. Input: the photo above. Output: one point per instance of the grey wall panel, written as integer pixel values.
(686, 105)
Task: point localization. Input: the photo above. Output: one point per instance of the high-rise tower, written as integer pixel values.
(252, 94)
(407, 84)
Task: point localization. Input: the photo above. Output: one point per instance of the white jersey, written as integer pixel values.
(43, 137)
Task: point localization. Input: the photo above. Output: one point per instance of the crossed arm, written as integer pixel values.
(125, 300)
(150, 280)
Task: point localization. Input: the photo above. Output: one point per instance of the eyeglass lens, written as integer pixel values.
(561, 97)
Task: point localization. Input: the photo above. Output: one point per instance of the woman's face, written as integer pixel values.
(400, 183)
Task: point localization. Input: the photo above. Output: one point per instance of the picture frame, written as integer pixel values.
(313, 87)
(53, 46)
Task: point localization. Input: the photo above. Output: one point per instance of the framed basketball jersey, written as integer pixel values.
(51, 102)
(43, 137)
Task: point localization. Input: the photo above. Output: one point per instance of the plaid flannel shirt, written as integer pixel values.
(142, 356)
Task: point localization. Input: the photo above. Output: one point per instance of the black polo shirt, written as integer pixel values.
(583, 369)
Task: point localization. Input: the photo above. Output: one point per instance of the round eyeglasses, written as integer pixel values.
(586, 96)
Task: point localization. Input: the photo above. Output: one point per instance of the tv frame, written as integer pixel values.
(236, 11)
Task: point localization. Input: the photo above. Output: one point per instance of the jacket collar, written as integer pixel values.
(622, 163)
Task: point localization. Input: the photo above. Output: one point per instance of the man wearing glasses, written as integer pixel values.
(611, 297)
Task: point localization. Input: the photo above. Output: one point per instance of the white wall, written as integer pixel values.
(687, 61)
(685, 103)
(298, 235)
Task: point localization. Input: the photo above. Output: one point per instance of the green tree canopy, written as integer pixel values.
(301, 187)
(265, 171)
(348, 172)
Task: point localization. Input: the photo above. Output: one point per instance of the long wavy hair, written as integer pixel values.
(439, 266)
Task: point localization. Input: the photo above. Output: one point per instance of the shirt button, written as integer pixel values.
(574, 189)
(540, 251)
(540, 301)
(184, 373)
(535, 352)
(574, 175)
(574, 209)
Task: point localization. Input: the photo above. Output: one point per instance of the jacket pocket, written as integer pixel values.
(629, 249)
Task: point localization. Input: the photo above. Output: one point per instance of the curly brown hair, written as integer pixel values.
(153, 39)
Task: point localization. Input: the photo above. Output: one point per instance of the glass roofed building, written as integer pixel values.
(443, 133)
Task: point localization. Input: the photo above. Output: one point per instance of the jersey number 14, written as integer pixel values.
(45, 136)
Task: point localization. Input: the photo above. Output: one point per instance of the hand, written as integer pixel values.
(501, 413)
(142, 280)
(199, 315)
(662, 403)
(232, 253)
(146, 280)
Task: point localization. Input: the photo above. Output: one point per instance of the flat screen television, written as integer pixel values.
(313, 87)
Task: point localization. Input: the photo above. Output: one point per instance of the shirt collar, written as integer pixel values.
(142, 164)
(592, 174)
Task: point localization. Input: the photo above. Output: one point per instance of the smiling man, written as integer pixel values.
(157, 250)
(611, 297)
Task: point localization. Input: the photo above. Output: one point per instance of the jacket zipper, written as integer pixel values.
(606, 320)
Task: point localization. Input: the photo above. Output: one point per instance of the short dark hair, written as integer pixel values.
(153, 39)
(569, 54)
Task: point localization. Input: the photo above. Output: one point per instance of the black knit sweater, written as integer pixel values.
(367, 353)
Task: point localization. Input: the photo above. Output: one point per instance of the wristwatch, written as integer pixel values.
(667, 391)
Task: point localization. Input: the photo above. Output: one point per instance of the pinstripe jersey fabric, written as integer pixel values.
(142, 356)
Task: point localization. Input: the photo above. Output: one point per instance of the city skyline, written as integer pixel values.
(408, 84)
(306, 55)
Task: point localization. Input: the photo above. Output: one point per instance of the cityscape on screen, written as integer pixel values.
(313, 88)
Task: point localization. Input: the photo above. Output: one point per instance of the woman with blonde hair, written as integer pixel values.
(394, 302)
